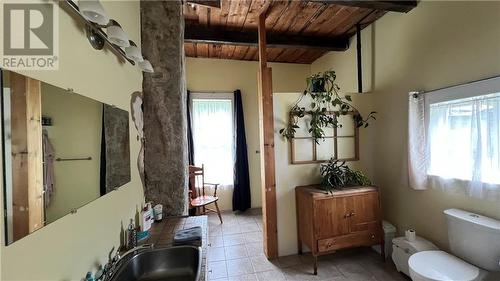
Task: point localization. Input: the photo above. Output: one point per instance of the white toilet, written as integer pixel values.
(475, 245)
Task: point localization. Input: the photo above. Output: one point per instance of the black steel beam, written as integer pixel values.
(195, 33)
(392, 6)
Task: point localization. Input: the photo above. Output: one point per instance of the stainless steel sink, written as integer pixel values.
(162, 264)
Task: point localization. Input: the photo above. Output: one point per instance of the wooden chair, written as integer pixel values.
(197, 196)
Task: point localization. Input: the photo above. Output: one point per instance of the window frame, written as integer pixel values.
(199, 95)
(212, 96)
(314, 145)
(464, 91)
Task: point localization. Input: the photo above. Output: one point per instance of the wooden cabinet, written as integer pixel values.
(347, 218)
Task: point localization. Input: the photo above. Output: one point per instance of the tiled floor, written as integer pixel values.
(236, 254)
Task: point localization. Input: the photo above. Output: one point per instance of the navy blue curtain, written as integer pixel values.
(241, 194)
(192, 211)
(189, 130)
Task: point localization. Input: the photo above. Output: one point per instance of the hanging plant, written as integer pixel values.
(325, 106)
(295, 113)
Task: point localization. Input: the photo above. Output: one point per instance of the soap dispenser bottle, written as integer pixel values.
(132, 235)
(147, 217)
(89, 277)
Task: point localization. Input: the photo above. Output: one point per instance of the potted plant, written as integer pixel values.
(337, 175)
(316, 83)
(326, 104)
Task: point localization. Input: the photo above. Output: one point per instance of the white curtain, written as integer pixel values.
(213, 137)
(417, 149)
(454, 139)
(464, 145)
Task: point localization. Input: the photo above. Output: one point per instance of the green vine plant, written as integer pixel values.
(325, 106)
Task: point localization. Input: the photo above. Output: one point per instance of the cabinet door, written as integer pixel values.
(364, 212)
(330, 217)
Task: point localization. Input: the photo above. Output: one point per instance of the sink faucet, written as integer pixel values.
(111, 266)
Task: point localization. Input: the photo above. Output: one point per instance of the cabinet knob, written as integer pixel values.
(349, 215)
(373, 236)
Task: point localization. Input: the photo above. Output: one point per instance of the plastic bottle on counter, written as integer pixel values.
(132, 235)
(89, 277)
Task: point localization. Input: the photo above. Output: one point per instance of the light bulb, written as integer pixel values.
(146, 66)
(116, 35)
(93, 11)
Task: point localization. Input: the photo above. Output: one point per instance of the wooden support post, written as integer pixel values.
(19, 144)
(27, 166)
(269, 215)
(35, 154)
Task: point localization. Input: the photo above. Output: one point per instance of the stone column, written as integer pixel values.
(165, 122)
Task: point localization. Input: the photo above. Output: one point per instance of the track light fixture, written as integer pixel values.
(96, 20)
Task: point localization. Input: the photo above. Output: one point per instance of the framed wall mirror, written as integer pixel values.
(60, 151)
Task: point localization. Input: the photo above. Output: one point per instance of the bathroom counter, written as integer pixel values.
(162, 235)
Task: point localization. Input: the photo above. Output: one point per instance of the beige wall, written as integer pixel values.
(73, 245)
(345, 64)
(438, 44)
(289, 176)
(76, 132)
(229, 75)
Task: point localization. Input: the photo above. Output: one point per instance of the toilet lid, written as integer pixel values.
(439, 265)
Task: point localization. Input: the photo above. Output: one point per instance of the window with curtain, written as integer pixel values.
(454, 139)
(213, 135)
(464, 139)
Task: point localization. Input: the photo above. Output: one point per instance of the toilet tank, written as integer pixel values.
(474, 238)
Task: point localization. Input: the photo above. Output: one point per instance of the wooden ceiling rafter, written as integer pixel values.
(274, 12)
(313, 17)
(305, 22)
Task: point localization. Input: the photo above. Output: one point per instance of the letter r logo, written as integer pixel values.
(28, 29)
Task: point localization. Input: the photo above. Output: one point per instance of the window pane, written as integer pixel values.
(325, 149)
(346, 148)
(303, 149)
(303, 124)
(347, 123)
(213, 138)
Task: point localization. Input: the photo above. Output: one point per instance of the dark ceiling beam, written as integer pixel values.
(195, 33)
(392, 6)
(208, 3)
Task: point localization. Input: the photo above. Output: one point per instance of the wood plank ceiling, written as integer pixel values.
(314, 20)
